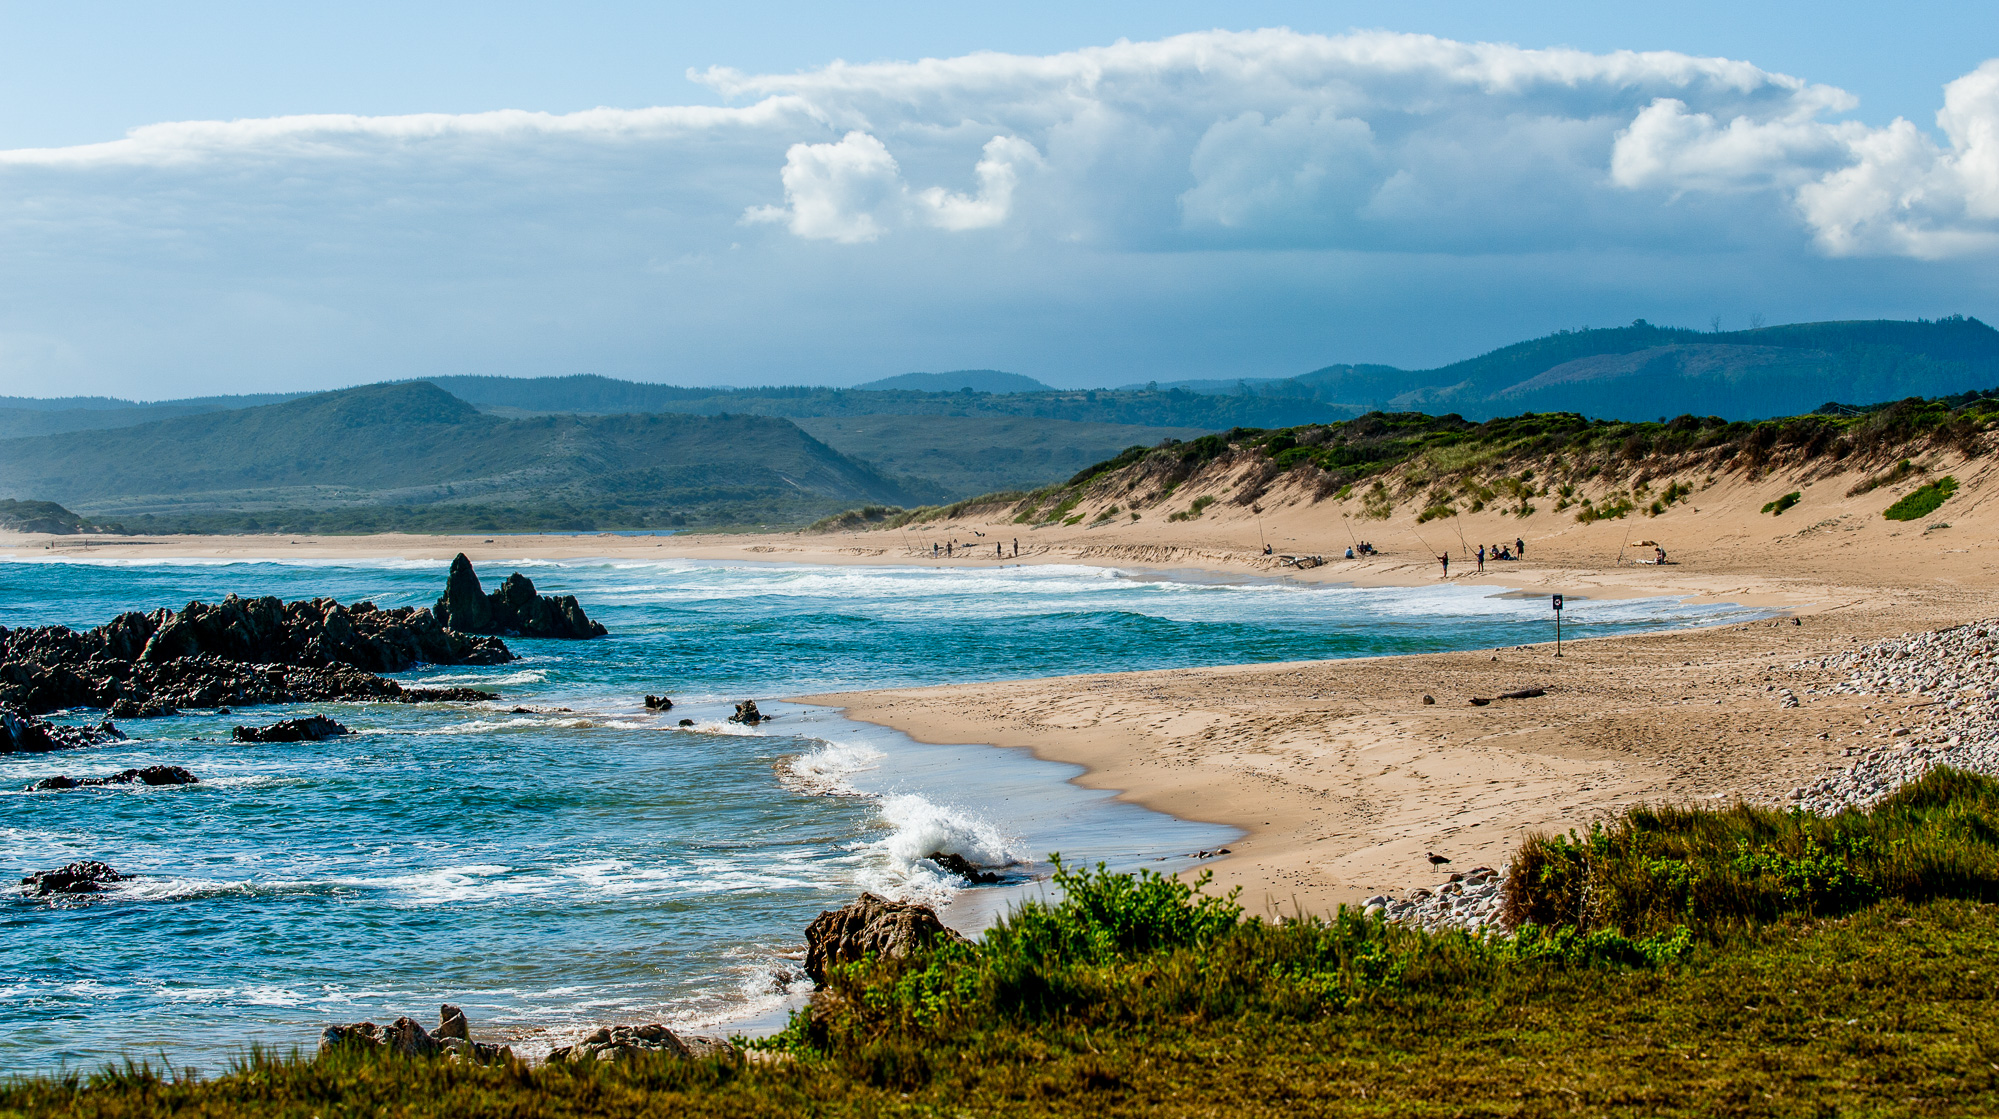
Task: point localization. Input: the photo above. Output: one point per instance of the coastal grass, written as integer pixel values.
(1742, 962)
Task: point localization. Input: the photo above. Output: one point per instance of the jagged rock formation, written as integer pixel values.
(76, 878)
(452, 1039)
(871, 925)
(514, 610)
(22, 733)
(314, 728)
(151, 775)
(747, 714)
(238, 651)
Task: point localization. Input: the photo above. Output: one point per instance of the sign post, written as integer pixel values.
(1558, 625)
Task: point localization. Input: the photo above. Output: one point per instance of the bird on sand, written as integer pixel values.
(1435, 859)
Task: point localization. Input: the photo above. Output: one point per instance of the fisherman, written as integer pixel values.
(1445, 559)
(1481, 559)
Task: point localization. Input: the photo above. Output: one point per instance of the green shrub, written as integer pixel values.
(1776, 508)
(1920, 503)
(1716, 871)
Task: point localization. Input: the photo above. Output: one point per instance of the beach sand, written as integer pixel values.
(1340, 775)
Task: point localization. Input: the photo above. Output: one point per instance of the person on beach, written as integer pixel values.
(1481, 559)
(1016, 547)
(1661, 552)
(1519, 548)
(1445, 559)
(933, 549)
(1350, 551)
(999, 550)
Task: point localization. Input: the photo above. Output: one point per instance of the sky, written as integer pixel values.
(215, 198)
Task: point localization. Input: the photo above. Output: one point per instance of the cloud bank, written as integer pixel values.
(1370, 150)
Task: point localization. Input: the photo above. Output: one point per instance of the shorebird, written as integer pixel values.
(1435, 859)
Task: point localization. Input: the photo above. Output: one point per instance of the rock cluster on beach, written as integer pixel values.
(512, 610)
(1957, 671)
(452, 1039)
(151, 775)
(870, 925)
(610, 1043)
(747, 714)
(1470, 901)
(22, 733)
(76, 878)
(236, 652)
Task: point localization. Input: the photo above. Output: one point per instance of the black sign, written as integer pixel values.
(1558, 603)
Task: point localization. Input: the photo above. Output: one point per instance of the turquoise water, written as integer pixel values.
(559, 869)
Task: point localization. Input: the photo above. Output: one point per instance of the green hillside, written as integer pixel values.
(413, 456)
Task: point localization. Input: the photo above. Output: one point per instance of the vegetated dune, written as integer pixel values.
(1710, 494)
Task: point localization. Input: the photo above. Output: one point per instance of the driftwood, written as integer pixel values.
(1524, 693)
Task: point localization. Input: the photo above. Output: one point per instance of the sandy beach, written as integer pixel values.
(1340, 773)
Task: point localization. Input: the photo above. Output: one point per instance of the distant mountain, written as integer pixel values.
(412, 455)
(978, 380)
(1643, 371)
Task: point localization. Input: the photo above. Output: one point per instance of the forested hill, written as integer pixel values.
(413, 456)
(1642, 372)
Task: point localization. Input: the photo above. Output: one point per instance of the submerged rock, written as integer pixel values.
(658, 703)
(513, 610)
(314, 728)
(76, 878)
(747, 714)
(151, 775)
(871, 925)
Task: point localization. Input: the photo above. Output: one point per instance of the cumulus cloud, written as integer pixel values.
(852, 191)
(1366, 149)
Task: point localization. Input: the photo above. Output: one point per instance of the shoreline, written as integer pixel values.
(1330, 815)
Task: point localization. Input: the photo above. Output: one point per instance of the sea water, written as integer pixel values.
(582, 861)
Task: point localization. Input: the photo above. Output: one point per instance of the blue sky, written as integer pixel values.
(235, 198)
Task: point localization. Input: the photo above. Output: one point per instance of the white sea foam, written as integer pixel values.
(527, 676)
(829, 769)
(900, 865)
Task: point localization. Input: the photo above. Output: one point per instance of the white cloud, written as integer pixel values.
(852, 191)
(1362, 155)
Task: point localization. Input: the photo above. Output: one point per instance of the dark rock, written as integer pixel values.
(22, 733)
(1429, 700)
(611, 1043)
(871, 925)
(962, 867)
(747, 713)
(314, 728)
(513, 610)
(686, 722)
(151, 775)
(76, 878)
(237, 652)
(658, 703)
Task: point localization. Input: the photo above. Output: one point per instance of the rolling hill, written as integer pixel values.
(411, 455)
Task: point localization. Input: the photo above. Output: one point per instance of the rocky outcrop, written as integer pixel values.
(611, 1043)
(963, 867)
(76, 878)
(513, 610)
(747, 714)
(452, 1040)
(239, 651)
(870, 926)
(658, 703)
(22, 733)
(313, 728)
(151, 775)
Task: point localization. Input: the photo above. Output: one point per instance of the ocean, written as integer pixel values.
(585, 861)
